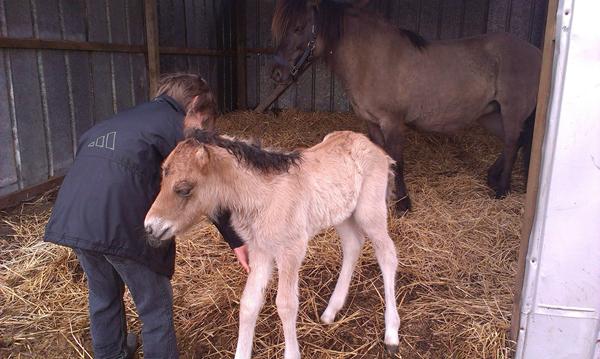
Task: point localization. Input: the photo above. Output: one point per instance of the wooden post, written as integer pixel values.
(533, 182)
(153, 54)
(240, 58)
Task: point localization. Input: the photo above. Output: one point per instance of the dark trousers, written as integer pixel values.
(153, 298)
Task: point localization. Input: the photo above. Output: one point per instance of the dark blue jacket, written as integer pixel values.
(113, 181)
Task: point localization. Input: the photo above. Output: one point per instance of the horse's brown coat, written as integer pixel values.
(395, 79)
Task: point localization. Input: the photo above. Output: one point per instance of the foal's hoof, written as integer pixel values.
(391, 349)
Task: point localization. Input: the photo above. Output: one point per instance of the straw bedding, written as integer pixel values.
(457, 254)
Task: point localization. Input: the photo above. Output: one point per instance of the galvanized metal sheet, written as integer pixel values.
(18, 18)
(123, 81)
(475, 17)
(171, 23)
(82, 94)
(97, 20)
(409, 14)
(452, 16)
(58, 117)
(430, 18)
(47, 19)
(102, 86)
(539, 22)
(73, 18)
(135, 16)
(117, 11)
(520, 15)
(322, 88)
(8, 166)
(498, 15)
(140, 79)
(30, 120)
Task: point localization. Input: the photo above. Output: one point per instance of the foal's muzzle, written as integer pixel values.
(158, 233)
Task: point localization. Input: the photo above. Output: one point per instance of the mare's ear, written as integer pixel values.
(201, 113)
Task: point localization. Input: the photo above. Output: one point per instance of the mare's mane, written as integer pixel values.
(329, 21)
(266, 161)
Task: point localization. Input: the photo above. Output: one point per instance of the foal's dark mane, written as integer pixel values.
(330, 21)
(251, 154)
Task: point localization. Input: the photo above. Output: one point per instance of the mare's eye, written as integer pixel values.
(297, 29)
(183, 189)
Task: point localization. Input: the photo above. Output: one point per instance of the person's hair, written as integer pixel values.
(183, 87)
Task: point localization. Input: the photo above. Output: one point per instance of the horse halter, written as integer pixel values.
(306, 57)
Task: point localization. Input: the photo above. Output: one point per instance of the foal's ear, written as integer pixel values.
(202, 156)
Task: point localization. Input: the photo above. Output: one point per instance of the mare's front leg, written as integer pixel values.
(261, 265)
(394, 137)
(288, 265)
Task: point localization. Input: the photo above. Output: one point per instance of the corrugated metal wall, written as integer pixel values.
(49, 97)
(317, 89)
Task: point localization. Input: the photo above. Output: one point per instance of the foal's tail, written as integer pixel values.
(525, 140)
(391, 183)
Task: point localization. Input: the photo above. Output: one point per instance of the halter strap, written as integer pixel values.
(306, 57)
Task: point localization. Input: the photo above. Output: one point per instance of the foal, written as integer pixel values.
(278, 202)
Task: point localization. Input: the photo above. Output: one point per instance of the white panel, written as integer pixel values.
(561, 305)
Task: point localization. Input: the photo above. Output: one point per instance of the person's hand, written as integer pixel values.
(242, 256)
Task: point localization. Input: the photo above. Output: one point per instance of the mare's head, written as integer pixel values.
(198, 176)
(303, 30)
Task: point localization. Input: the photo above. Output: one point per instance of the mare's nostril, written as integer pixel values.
(149, 229)
(276, 74)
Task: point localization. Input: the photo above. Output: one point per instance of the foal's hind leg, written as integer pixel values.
(371, 217)
(352, 240)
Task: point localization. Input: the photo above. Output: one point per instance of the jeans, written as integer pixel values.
(153, 297)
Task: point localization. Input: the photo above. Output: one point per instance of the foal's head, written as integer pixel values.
(303, 30)
(199, 174)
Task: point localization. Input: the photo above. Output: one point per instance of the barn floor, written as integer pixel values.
(457, 251)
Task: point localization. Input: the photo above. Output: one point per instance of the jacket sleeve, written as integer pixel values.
(169, 139)
(223, 224)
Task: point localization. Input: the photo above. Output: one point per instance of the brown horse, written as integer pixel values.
(396, 79)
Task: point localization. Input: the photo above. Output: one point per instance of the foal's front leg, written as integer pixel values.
(288, 266)
(252, 301)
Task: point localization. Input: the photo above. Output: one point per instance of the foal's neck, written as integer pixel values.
(246, 190)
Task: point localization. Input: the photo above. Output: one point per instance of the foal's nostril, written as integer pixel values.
(149, 229)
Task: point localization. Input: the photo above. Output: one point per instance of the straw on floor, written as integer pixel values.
(457, 251)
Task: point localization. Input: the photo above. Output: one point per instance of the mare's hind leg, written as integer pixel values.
(492, 122)
(352, 241)
(394, 136)
(371, 217)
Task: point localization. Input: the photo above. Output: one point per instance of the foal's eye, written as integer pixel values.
(183, 189)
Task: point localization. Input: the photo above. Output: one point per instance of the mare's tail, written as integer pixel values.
(525, 140)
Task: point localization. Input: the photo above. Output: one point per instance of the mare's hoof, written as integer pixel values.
(391, 349)
(402, 206)
(501, 193)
